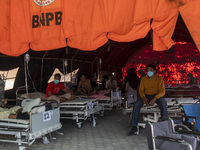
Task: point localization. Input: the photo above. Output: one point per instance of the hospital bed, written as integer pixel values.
(108, 103)
(27, 131)
(185, 95)
(182, 92)
(152, 113)
(80, 109)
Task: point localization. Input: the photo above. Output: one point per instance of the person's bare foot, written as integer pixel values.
(19, 110)
(62, 99)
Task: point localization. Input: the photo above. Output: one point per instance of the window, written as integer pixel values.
(67, 76)
(9, 78)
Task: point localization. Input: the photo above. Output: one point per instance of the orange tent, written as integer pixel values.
(87, 25)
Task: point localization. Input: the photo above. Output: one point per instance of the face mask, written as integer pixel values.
(56, 81)
(149, 73)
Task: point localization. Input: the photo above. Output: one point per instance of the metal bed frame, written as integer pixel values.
(80, 109)
(27, 131)
(152, 113)
(109, 103)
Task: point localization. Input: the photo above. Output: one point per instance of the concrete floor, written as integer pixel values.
(110, 133)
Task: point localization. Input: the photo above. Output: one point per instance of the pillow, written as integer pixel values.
(29, 105)
(39, 109)
(34, 95)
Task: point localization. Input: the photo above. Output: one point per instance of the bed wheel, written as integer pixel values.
(22, 148)
(102, 113)
(79, 124)
(45, 140)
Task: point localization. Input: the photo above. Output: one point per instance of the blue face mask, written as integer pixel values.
(149, 73)
(56, 81)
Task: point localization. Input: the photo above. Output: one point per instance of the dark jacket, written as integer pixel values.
(132, 78)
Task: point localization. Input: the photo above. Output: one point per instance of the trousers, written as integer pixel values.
(139, 103)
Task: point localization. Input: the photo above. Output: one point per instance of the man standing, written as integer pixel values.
(152, 90)
(132, 84)
(53, 89)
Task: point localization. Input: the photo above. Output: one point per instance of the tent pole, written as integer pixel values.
(92, 69)
(64, 72)
(41, 75)
(26, 60)
(71, 69)
(26, 81)
(98, 75)
(72, 62)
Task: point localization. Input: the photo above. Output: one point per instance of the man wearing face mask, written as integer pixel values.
(151, 90)
(53, 89)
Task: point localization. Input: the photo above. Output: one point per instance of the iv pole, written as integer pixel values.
(26, 60)
(65, 63)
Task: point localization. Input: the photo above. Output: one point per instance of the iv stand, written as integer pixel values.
(26, 59)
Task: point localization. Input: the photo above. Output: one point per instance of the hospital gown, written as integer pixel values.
(5, 112)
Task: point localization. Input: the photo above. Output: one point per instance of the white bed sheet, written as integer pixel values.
(15, 121)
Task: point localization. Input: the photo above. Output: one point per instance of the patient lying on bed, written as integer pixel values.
(12, 113)
(53, 89)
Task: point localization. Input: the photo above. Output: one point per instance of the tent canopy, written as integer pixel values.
(113, 54)
(52, 24)
(113, 30)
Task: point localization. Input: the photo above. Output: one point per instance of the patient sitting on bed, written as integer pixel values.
(53, 89)
(111, 83)
(12, 113)
(85, 87)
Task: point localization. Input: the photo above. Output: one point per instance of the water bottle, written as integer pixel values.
(2, 84)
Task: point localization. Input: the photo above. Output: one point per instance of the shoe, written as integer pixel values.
(134, 131)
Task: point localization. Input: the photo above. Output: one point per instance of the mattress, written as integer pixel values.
(78, 101)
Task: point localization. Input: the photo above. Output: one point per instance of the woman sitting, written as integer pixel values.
(85, 87)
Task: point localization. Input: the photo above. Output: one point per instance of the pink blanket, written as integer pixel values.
(100, 95)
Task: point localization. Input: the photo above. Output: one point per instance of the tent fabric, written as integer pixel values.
(190, 13)
(14, 30)
(87, 25)
(163, 25)
(47, 32)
